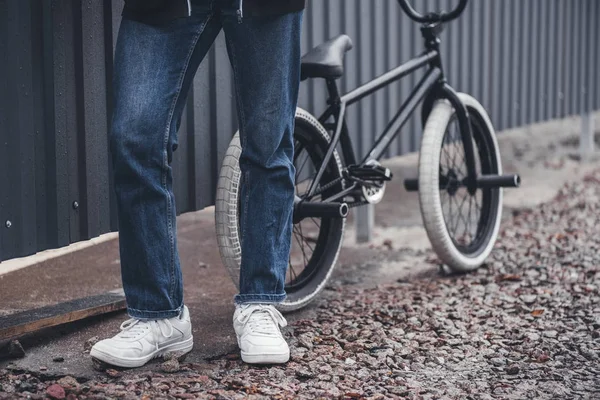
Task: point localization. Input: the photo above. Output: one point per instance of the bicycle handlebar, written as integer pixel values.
(443, 17)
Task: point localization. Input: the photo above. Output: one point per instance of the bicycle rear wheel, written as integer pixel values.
(462, 227)
(316, 242)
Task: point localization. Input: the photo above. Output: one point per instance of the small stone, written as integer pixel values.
(306, 340)
(26, 387)
(595, 334)
(56, 392)
(113, 373)
(68, 381)
(529, 299)
(98, 365)
(512, 369)
(350, 361)
(304, 373)
(43, 368)
(297, 353)
(7, 388)
(543, 358)
(454, 332)
(277, 374)
(185, 396)
(179, 356)
(87, 346)
(498, 361)
(550, 334)
(363, 374)
(353, 395)
(58, 359)
(170, 366)
(534, 337)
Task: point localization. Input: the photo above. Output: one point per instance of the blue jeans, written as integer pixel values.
(154, 68)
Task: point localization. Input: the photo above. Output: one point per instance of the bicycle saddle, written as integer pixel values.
(327, 59)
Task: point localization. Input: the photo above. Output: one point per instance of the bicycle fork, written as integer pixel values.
(473, 182)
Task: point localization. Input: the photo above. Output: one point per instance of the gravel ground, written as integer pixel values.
(524, 326)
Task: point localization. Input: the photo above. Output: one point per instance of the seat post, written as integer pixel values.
(332, 89)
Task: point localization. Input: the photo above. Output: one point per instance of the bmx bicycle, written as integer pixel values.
(459, 180)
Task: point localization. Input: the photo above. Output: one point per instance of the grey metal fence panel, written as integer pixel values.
(526, 60)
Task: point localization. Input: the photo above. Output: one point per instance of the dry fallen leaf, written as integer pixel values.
(537, 312)
(509, 277)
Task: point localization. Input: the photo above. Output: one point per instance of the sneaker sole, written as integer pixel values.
(179, 347)
(265, 358)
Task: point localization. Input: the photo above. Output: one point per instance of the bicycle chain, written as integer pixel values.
(328, 185)
(335, 182)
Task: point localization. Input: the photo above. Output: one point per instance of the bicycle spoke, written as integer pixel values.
(304, 238)
(450, 207)
(463, 164)
(453, 154)
(299, 170)
(305, 180)
(298, 148)
(293, 274)
(460, 216)
(315, 222)
(469, 219)
(300, 244)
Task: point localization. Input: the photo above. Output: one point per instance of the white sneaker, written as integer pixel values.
(140, 341)
(258, 334)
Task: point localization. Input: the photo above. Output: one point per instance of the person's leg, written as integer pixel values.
(154, 67)
(265, 55)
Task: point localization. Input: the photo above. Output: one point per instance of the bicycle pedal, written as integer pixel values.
(371, 172)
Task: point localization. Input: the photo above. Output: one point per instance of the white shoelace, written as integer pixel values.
(132, 328)
(263, 319)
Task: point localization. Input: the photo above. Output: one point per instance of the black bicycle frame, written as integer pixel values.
(431, 87)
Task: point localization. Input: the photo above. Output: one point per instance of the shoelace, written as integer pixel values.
(263, 319)
(134, 327)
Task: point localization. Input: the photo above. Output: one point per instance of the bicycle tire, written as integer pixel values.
(331, 232)
(454, 253)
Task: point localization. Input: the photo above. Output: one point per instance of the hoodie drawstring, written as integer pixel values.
(240, 11)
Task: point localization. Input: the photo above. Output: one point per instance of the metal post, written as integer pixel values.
(365, 220)
(586, 140)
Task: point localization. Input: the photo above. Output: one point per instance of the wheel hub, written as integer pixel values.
(452, 182)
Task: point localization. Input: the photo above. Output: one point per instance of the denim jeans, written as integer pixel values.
(154, 68)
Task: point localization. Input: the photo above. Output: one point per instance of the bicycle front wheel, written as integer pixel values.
(461, 227)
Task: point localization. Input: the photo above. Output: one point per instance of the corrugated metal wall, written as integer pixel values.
(526, 60)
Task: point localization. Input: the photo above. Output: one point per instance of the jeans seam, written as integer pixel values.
(149, 315)
(165, 156)
(245, 200)
(259, 298)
